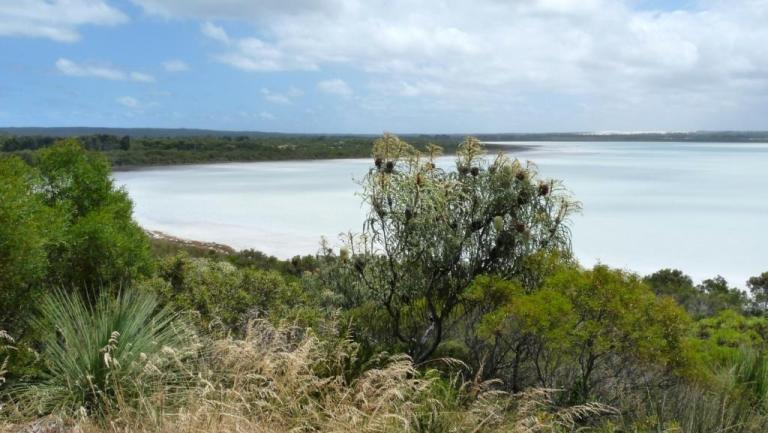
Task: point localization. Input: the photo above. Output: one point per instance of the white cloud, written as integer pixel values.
(267, 116)
(58, 20)
(294, 92)
(141, 77)
(335, 87)
(603, 60)
(128, 101)
(281, 98)
(236, 9)
(214, 32)
(68, 67)
(255, 55)
(175, 65)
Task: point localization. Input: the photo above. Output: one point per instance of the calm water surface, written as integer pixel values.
(700, 207)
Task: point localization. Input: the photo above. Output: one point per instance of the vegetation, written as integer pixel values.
(458, 308)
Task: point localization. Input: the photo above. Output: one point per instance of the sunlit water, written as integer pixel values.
(699, 207)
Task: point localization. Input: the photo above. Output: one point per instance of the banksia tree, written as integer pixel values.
(430, 232)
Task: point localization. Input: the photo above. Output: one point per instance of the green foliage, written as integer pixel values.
(146, 150)
(63, 223)
(27, 228)
(674, 283)
(97, 357)
(581, 331)
(507, 327)
(619, 322)
(718, 295)
(724, 335)
(101, 245)
(758, 285)
(224, 294)
(708, 298)
(74, 179)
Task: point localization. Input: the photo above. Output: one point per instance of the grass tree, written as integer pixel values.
(98, 357)
(431, 231)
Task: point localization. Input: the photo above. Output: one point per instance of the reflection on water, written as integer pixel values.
(700, 207)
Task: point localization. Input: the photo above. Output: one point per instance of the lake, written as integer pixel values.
(699, 207)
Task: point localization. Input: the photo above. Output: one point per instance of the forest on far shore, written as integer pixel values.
(126, 147)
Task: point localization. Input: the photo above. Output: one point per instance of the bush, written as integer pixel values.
(63, 222)
(226, 295)
(101, 245)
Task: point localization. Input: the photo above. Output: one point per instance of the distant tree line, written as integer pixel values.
(140, 151)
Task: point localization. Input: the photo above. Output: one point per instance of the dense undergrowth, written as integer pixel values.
(458, 308)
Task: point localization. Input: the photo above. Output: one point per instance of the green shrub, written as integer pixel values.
(26, 229)
(225, 294)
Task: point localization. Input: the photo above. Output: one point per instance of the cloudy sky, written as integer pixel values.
(395, 65)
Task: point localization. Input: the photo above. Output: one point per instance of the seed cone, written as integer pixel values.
(543, 189)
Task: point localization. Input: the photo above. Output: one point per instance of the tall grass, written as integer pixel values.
(102, 357)
(736, 400)
(282, 380)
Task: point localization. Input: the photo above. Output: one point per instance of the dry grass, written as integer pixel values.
(288, 380)
(5, 342)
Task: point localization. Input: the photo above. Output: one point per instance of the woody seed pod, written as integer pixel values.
(543, 189)
(359, 264)
(390, 167)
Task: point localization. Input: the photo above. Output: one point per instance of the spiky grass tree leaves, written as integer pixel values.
(97, 357)
(431, 231)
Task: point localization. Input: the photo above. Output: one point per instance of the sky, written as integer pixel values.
(367, 66)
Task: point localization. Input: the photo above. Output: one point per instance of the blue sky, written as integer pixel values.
(375, 65)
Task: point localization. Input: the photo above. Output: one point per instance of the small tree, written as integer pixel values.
(718, 295)
(430, 232)
(618, 324)
(100, 243)
(759, 287)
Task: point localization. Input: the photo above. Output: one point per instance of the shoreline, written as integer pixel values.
(215, 247)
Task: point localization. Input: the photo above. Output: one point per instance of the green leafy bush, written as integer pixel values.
(224, 294)
(27, 229)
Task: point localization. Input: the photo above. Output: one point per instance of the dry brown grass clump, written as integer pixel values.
(288, 380)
